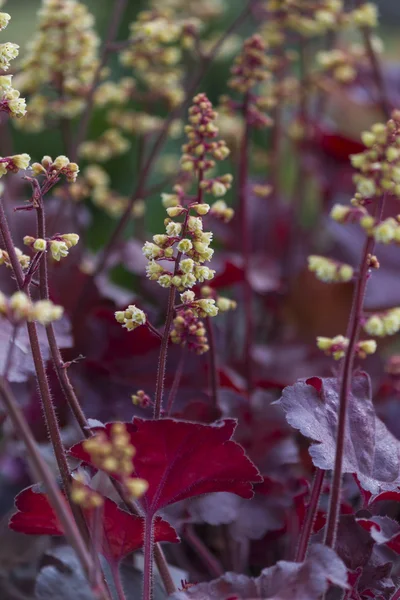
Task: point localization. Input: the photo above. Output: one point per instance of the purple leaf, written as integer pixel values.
(371, 451)
(22, 363)
(284, 581)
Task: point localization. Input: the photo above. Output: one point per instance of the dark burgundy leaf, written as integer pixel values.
(230, 274)
(122, 532)
(336, 145)
(371, 451)
(181, 460)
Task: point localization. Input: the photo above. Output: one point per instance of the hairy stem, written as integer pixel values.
(345, 383)
(119, 588)
(148, 559)
(175, 384)
(246, 246)
(212, 362)
(162, 359)
(45, 393)
(55, 353)
(312, 509)
(57, 501)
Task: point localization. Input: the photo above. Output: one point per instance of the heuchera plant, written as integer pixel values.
(209, 379)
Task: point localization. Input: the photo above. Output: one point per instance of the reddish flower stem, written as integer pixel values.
(162, 360)
(353, 331)
(175, 384)
(212, 362)
(159, 142)
(209, 560)
(44, 388)
(148, 558)
(119, 588)
(76, 408)
(48, 407)
(55, 353)
(57, 501)
(311, 515)
(246, 246)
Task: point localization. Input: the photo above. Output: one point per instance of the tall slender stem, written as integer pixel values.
(175, 384)
(55, 353)
(345, 383)
(45, 393)
(57, 501)
(246, 246)
(148, 559)
(312, 509)
(212, 362)
(162, 359)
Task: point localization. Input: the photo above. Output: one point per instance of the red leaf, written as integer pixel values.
(336, 145)
(181, 460)
(35, 514)
(229, 275)
(122, 532)
(199, 411)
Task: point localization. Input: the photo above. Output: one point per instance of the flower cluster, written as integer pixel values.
(205, 10)
(63, 54)
(19, 307)
(15, 163)
(53, 169)
(189, 332)
(10, 101)
(111, 143)
(328, 270)
(337, 346)
(251, 68)
(311, 18)
(155, 52)
(23, 259)
(343, 64)
(379, 164)
(382, 324)
(114, 92)
(308, 17)
(113, 453)
(58, 245)
(95, 183)
(131, 318)
(204, 307)
(141, 399)
(223, 304)
(185, 243)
